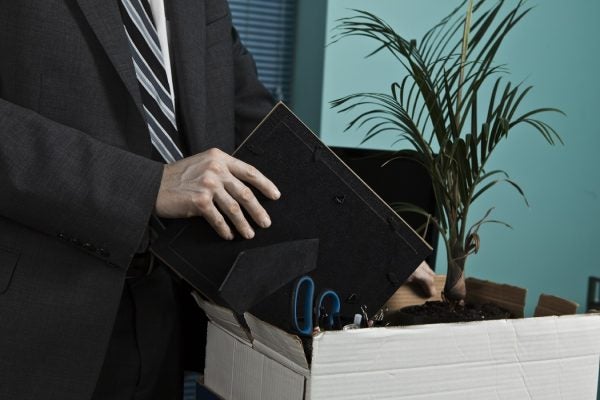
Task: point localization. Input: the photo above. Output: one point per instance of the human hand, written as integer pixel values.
(424, 277)
(211, 184)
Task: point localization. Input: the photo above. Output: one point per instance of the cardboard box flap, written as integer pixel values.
(552, 305)
(409, 295)
(223, 317)
(235, 370)
(509, 297)
(278, 344)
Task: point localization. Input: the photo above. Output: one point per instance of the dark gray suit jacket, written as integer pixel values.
(77, 185)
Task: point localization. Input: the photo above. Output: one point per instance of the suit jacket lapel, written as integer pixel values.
(186, 20)
(105, 20)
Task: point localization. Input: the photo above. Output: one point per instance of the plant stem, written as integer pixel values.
(463, 58)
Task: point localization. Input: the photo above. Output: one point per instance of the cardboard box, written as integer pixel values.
(552, 357)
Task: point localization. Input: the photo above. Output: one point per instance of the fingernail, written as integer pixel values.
(276, 194)
(249, 234)
(229, 236)
(266, 222)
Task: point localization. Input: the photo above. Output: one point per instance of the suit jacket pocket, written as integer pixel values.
(8, 263)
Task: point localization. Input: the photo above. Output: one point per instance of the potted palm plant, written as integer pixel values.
(453, 106)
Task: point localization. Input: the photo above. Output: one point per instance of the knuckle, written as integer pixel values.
(233, 208)
(251, 172)
(202, 201)
(214, 166)
(220, 223)
(213, 152)
(246, 194)
(207, 182)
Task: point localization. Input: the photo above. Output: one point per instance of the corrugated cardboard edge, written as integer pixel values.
(511, 298)
(552, 305)
(224, 318)
(278, 345)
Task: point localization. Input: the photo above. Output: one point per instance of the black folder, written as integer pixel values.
(328, 224)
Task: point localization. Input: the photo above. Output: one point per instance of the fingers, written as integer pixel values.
(251, 175)
(230, 207)
(425, 268)
(238, 196)
(212, 215)
(233, 196)
(425, 277)
(428, 285)
(245, 197)
(211, 184)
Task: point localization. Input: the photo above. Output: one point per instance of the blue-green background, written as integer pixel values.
(553, 247)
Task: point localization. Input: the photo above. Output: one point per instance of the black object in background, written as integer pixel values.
(398, 180)
(593, 300)
(204, 393)
(365, 251)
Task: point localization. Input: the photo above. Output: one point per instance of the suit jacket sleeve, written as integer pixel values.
(252, 100)
(60, 181)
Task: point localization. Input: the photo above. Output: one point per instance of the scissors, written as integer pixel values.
(328, 304)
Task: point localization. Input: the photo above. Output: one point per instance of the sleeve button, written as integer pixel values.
(103, 252)
(89, 247)
(61, 236)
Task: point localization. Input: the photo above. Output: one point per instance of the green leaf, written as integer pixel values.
(403, 207)
(484, 189)
(518, 188)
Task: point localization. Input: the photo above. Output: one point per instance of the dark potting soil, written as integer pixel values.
(439, 312)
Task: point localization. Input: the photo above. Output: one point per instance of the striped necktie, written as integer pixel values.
(148, 62)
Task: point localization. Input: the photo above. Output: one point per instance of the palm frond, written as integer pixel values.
(439, 106)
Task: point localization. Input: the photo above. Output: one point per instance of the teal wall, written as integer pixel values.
(308, 61)
(553, 247)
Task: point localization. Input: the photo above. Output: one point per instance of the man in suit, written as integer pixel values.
(80, 180)
(85, 311)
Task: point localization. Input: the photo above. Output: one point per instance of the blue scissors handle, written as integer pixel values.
(334, 304)
(305, 286)
(328, 299)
